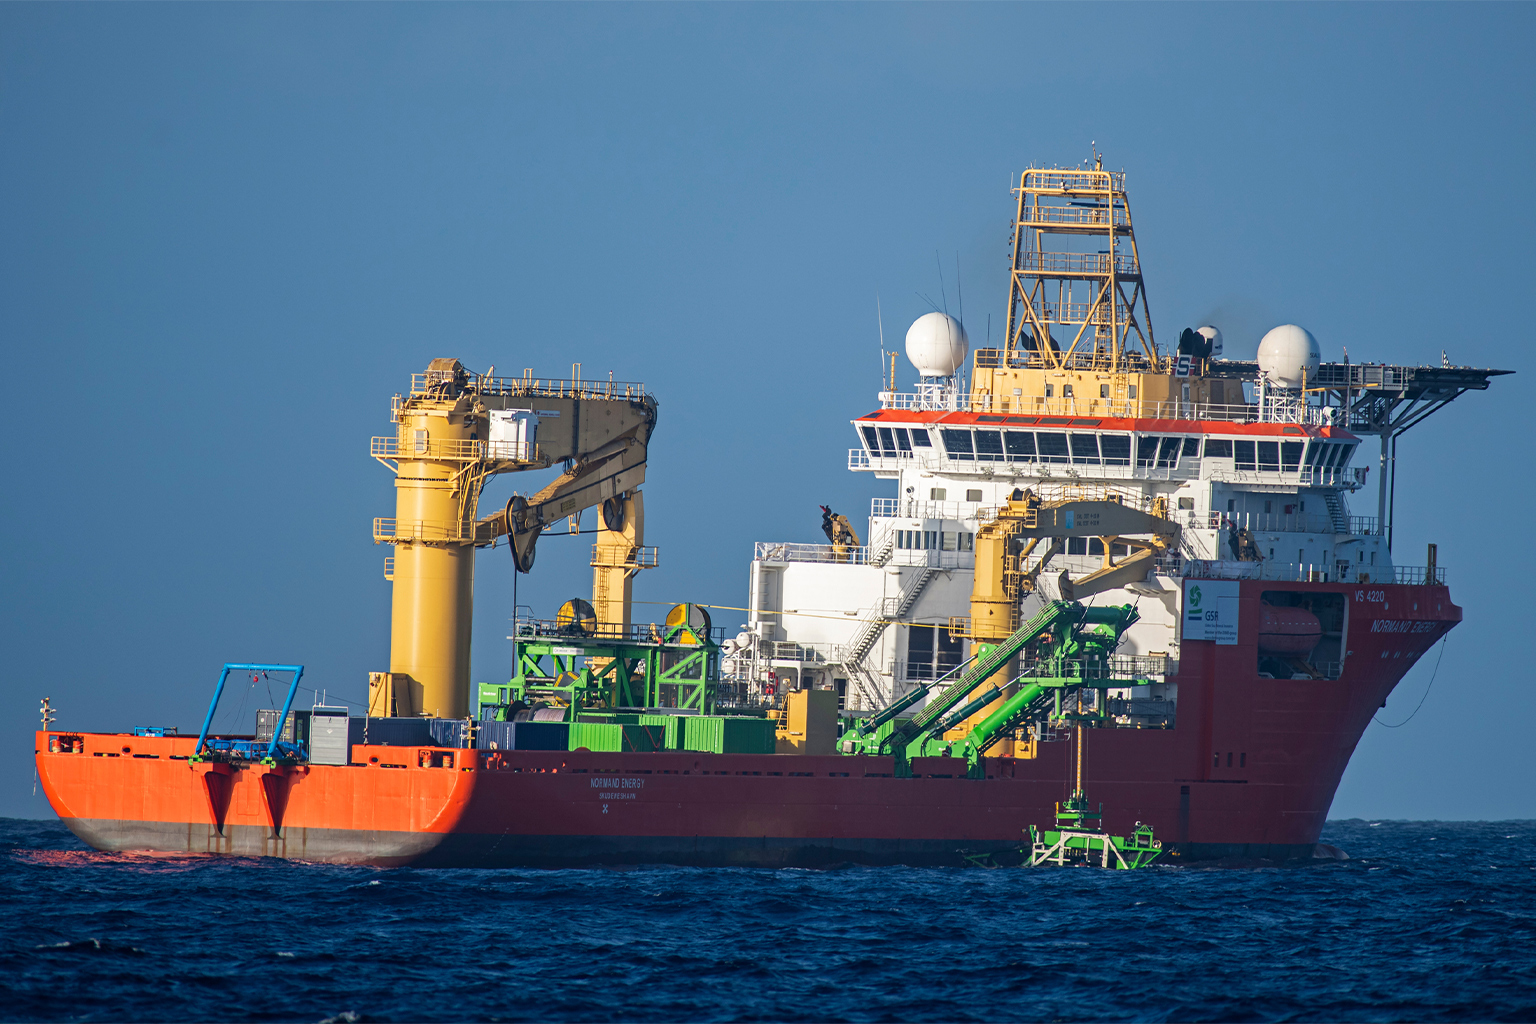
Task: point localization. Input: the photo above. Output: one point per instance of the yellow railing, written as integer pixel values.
(1079, 312)
(387, 530)
(541, 387)
(1074, 215)
(1073, 180)
(635, 558)
(1033, 261)
(454, 450)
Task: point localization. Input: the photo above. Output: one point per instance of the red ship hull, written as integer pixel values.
(1249, 770)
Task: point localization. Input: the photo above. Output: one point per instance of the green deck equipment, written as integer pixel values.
(571, 668)
(1071, 648)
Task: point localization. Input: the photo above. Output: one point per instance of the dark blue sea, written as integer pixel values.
(1425, 921)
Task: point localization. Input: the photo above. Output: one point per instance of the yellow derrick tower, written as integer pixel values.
(1079, 334)
(454, 431)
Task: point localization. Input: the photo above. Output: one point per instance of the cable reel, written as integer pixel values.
(694, 616)
(576, 618)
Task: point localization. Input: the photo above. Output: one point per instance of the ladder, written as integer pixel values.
(1338, 515)
(873, 626)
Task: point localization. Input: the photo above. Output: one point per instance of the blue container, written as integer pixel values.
(542, 735)
(390, 732)
(449, 732)
(496, 736)
(522, 736)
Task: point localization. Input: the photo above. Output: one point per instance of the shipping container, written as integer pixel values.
(449, 732)
(615, 737)
(390, 732)
(522, 736)
(671, 731)
(729, 735)
(329, 741)
(295, 729)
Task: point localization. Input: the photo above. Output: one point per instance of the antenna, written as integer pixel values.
(943, 292)
(958, 293)
(880, 325)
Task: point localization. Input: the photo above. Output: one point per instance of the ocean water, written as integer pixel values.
(1425, 921)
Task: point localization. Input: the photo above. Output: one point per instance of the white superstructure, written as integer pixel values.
(1255, 463)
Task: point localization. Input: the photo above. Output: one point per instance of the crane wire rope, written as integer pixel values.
(1422, 699)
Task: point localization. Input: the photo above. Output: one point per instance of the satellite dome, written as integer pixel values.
(1212, 335)
(937, 345)
(1285, 352)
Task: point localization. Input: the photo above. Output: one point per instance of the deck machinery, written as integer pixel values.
(576, 662)
(456, 430)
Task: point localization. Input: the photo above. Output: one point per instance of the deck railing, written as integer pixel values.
(1293, 572)
(1277, 522)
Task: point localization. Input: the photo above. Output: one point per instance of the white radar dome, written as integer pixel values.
(1285, 352)
(1212, 335)
(937, 345)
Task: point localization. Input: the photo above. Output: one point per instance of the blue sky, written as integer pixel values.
(231, 232)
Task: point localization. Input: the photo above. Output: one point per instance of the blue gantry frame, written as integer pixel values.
(293, 688)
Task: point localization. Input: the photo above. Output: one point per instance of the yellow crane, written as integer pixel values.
(456, 430)
(840, 533)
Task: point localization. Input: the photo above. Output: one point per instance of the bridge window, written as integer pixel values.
(961, 541)
(1146, 451)
(1218, 448)
(989, 446)
(917, 540)
(1020, 445)
(1077, 545)
(1168, 453)
(1085, 449)
(887, 442)
(1116, 448)
(1053, 447)
(871, 440)
(1242, 455)
(1269, 456)
(902, 444)
(1191, 448)
(1290, 455)
(920, 438)
(958, 444)
(1314, 450)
